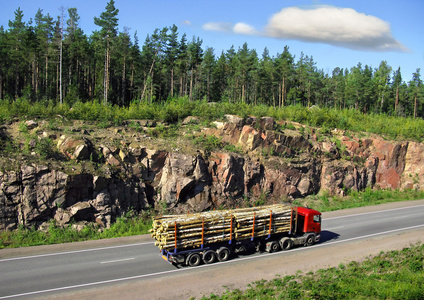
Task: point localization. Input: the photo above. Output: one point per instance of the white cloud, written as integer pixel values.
(332, 25)
(239, 28)
(187, 22)
(336, 26)
(218, 26)
(242, 28)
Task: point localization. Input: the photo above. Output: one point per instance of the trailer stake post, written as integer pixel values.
(231, 230)
(203, 232)
(253, 227)
(175, 229)
(270, 223)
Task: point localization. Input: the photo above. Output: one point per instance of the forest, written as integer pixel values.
(48, 59)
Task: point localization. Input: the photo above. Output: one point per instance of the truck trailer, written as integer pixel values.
(192, 239)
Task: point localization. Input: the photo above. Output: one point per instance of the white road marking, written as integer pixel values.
(205, 266)
(76, 251)
(118, 260)
(332, 228)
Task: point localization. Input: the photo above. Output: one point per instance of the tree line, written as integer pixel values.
(49, 59)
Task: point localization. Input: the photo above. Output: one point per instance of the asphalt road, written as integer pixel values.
(73, 269)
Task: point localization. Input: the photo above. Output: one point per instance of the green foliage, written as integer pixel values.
(46, 148)
(129, 224)
(326, 202)
(177, 109)
(109, 65)
(391, 275)
(233, 148)
(208, 143)
(162, 131)
(135, 126)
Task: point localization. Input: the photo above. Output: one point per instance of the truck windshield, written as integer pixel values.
(317, 219)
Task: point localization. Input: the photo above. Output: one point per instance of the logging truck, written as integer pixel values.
(192, 239)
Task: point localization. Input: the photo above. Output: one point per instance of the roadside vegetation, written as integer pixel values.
(390, 275)
(326, 202)
(175, 110)
(128, 225)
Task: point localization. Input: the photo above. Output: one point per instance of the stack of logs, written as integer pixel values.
(193, 230)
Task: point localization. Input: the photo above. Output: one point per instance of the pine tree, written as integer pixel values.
(3, 59)
(337, 86)
(77, 50)
(416, 91)
(135, 68)
(182, 64)
(172, 52)
(16, 39)
(382, 79)
(265, 79)
(195, 53)
(219, 75)
(397, 81)
(284, 71)
(230, 92)
(108, 23)
(207, 67)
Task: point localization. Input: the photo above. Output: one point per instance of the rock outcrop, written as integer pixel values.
(274, 163)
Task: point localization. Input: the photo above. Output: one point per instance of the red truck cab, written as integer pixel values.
(311, 220)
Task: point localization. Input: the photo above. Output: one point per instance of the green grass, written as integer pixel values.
(125, 226)
(175, 110)
(390, 275)
(326, 202)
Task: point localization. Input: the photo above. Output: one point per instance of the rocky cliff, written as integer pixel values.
(98, 175)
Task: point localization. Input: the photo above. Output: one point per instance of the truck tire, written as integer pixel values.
(310, 240)
(223, 254)
(193, 260)
(209, 257)
(273, 246)
(286, 243)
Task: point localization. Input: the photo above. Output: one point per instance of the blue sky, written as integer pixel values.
(336, 33)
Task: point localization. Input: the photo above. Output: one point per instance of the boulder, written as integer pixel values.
(250, 138)
(82, 211)
(266, 123)
(74, 148)
(82, 152)
(111, 160)
(236, 120)
(191, 120)
(31, 124)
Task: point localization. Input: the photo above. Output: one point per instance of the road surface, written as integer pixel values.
(132, 268)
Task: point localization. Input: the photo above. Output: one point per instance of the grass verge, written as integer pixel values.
(124, 226)
(326, 202)
(390, 275)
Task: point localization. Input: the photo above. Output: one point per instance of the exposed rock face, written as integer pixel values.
(35, 195)
(277, 164)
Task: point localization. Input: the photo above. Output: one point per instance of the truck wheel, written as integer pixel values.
(209, 257)
(193, 260)
(223, 254)
(273, 246)
(286, 243)
(310, 239)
